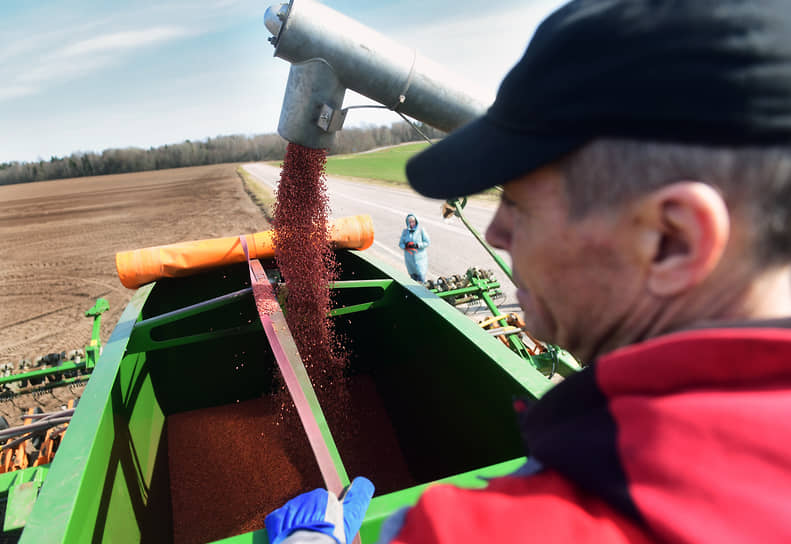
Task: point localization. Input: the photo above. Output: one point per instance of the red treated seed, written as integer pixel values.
(265, 299)
(306, 261)
(229, 466)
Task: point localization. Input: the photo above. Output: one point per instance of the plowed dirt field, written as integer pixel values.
(58, 241)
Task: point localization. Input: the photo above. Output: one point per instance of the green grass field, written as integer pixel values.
(387, 164)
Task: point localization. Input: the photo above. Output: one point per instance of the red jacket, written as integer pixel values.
(684, 438)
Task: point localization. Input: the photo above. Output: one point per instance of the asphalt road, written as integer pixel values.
(453, 248)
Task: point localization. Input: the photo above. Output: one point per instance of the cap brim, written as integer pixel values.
(481, 155)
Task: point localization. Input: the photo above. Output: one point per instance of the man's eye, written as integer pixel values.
(507, 202)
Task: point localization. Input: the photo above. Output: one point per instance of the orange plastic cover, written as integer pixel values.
(141, 266)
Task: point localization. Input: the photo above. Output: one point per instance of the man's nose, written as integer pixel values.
(498, 233)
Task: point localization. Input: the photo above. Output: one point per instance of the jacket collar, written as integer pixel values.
(575, 429)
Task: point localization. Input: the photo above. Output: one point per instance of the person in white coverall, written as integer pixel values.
(414, 241)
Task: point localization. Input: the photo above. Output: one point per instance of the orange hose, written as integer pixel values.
(141, 266)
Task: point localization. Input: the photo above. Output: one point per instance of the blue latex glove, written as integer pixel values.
(319, 510)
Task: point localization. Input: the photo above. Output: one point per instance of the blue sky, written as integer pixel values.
(90, 75)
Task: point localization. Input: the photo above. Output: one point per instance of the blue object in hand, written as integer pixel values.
(319, 510)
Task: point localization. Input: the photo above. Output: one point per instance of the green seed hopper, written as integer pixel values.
(429, 399)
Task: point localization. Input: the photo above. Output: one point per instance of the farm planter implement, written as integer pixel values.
(438, 407)
(66, 372)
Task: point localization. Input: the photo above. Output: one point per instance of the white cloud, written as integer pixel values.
(24, 42)
(116, 41)
(61, 70)
(480, 49)
(16, 91)
(223, 4)
(82, 57)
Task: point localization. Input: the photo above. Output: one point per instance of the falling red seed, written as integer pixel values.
(305, 258)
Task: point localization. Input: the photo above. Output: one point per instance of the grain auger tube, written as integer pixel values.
(330, 53)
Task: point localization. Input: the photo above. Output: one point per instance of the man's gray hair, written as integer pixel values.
(754, 181)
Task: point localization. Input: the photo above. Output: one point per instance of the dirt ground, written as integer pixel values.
(58, 241)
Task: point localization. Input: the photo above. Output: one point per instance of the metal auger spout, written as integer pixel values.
(330, 53)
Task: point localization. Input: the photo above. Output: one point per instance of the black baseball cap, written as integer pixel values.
(708, 72)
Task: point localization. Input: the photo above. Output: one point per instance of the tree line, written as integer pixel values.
(234, 148)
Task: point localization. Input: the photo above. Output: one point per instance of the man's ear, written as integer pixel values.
(688, 227)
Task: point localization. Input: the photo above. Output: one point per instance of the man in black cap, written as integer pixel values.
(644, 150)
